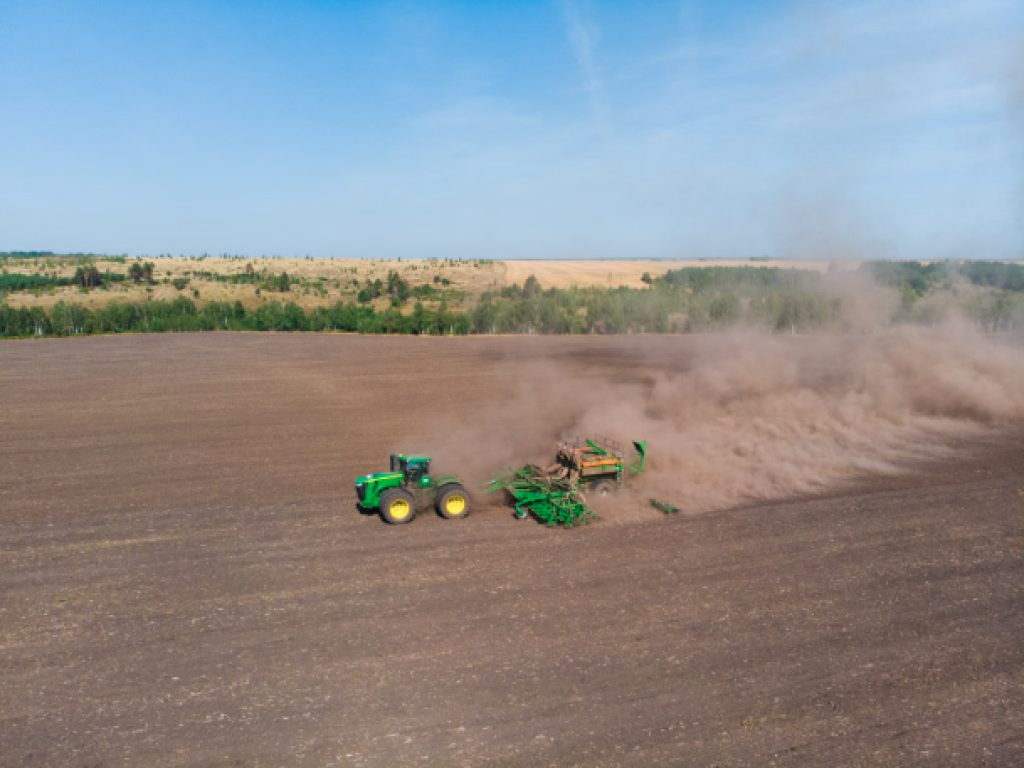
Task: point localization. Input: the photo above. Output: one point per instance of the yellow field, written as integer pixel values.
(611, 274)
(322, 282)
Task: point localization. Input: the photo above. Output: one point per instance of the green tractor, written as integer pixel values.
(397, 494)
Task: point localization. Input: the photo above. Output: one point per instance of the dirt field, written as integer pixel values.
(186, 581)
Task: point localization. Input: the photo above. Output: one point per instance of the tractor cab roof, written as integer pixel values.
(415, 458)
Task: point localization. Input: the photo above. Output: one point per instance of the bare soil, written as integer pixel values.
(185, 581)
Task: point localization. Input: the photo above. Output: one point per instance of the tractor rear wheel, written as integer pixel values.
(452, 502)
(602, 489)
(397, 506)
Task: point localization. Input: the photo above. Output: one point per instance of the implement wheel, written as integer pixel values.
(397, 506)
(602, 489)
(452, 502)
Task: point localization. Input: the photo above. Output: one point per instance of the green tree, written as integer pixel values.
(397, 288)
(88, 277)
(531, 288)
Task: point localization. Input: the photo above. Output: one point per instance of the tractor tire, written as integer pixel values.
(602, 489)
(452, 502)
(397, 506)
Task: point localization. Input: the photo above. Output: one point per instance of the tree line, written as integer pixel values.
(182, 314)
(86, 277)
(680, 301)
(920, 277)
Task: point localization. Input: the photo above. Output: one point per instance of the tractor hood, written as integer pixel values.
(377, 476)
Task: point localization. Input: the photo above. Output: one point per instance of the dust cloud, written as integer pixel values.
(740, 417)
(759, 418)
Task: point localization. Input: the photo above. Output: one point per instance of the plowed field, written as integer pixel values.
(185, 581)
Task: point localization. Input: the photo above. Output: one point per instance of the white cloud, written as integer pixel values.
(584, 35)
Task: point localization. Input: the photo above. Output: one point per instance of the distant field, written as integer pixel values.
(612, 274)
(443, 285)
(322, 282)
(316, 282)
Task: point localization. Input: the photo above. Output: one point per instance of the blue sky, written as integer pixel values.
(514, 129)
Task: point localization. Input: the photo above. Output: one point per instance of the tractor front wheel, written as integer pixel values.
(452, 501)
(397, 506)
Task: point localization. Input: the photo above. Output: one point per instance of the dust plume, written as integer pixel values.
(740, 417)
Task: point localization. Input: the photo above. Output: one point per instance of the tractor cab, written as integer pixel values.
(415, 469)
